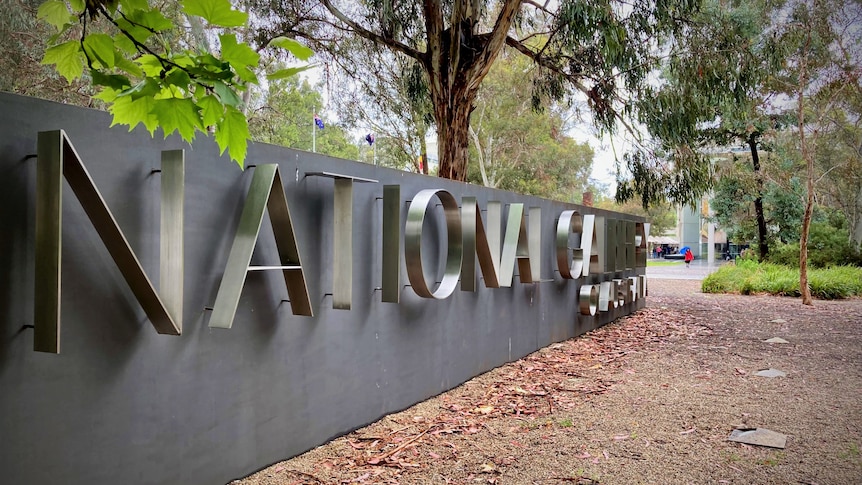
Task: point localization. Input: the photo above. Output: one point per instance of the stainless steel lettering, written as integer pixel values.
(266, 192)
(413, 243)
(57, 158)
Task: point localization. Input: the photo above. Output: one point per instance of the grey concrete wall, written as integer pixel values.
(122, 404)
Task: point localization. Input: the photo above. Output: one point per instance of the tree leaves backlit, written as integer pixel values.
(143, 76)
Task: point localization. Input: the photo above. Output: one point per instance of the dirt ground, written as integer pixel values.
(650, 398)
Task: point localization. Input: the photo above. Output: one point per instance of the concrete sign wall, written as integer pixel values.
(111, 396)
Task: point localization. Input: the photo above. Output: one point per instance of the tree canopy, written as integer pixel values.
(604, 53)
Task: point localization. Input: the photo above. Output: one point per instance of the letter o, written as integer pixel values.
(588, 300)
(413, 243)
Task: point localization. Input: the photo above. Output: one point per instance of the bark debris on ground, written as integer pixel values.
(650, 398)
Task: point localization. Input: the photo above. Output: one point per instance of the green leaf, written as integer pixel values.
(100, 47)
(139, 33)
(216, 12)
(211, 110)
(179, 78)
(151, 19)
(67, 59)
(107, 95)
(55, 13)
(226, 94)
(128, 66)
(300, 51)
(129, 111)
(124, 43)
(240, 56)
(150, 64)
(113, 81)
(77, 5)
(288, 72)
(130, 5)
(178, 114)
(149, 87)
(232, 133)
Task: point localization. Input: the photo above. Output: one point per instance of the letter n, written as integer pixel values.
(266, 192)
(57, 159)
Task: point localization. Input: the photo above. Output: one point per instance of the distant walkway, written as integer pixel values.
(676, 270)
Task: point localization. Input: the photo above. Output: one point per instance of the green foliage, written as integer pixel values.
(732, 201)
(707, 97)
(146, 79)
(216, 12)
(828, 245)
(515, 147)
(662, 218)
(757, 278)
(284, 116)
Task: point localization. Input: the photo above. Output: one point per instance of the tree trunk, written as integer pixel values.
(480, 155)
(453, 132)
(423, 152)
(758, 202)
(808, 157)
(803, 238)
(855, 217)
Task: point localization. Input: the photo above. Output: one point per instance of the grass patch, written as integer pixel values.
(663, 263)
(565, 423)
(749, 277)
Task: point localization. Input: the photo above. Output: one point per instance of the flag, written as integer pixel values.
(318, 121)
(370, 138)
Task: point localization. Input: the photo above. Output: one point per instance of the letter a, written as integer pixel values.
(266, 192)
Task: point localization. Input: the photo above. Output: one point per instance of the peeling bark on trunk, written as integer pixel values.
(453, 125)
(758, 202)
(423, 152)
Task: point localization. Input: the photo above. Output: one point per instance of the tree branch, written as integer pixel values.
(482, 63)
(372, 36)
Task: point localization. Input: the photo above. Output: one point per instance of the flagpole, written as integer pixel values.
(313, 134)
(374, 153)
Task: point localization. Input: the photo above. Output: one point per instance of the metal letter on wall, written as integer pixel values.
(342, 245)
(534, 245)
(342, 237)
(641, 247)
(570, 222)
(477, 244)
(391, 277)
(608, 295)
(620, 245)
(517, 247)
(413, 243)
(630, 244)
(588, 299)
(57, 158)
(265, 193)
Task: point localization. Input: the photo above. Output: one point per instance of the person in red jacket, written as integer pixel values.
(689, 256)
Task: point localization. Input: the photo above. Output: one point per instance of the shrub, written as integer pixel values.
(827, 246)
(748, 277)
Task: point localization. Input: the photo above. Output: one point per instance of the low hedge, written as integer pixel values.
(749, 277)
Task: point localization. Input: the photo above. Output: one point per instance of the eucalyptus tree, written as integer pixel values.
(839, 158)
(822, 44)
(283, 115)
(599, 51)
(388, 94)
(520, 148)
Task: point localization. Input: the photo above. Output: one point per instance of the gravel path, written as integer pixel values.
(650, 398)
